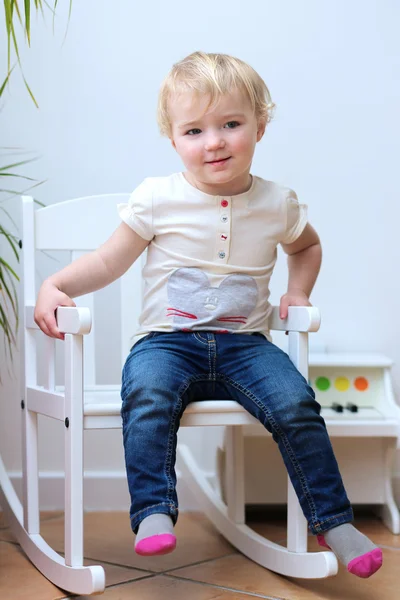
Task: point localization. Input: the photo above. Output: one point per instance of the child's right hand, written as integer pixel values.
(48, 300)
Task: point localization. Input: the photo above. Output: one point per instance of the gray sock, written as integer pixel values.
(155, 524)
(347, 542)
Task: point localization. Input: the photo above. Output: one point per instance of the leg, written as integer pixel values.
(155, 382)
(263, 379)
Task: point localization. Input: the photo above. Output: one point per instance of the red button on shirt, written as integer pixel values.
(224, 203)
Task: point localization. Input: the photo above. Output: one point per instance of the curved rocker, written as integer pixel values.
(87, 580)
(307, 565)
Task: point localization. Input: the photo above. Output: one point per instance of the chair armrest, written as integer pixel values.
(78, 320)
(300, 318)
(75, 320)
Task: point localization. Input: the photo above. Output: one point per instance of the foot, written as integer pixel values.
(155, 536)
(353, 549)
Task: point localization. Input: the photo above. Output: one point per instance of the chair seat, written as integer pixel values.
(102, 409)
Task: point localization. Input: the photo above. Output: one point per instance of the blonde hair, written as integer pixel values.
(213, 74)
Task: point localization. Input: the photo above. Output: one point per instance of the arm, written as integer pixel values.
(101, 267)
(87, 274)
(304, 261)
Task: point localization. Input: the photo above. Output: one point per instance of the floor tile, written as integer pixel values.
(273, 526)
(116, 574)
(268, 523)
(384, 585)
(20, 580)
(7, 536)
(161, 587)
(15, 566)
(240, 573)
(108, 538)
(203, 567)
(3, 522)
(378, 532)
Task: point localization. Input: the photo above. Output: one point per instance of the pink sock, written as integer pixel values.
(364, 565)
(155, 545)
(155, 536)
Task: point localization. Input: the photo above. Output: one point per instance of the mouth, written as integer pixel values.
(220, 161)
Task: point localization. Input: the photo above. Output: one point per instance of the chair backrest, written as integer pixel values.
(79, 226)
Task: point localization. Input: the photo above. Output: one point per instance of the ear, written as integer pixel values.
(261, 129)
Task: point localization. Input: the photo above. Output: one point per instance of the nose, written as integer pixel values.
(214, 141)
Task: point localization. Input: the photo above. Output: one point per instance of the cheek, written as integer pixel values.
(189, 151)
(243, 142)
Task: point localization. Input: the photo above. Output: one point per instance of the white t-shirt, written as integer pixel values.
(210, 258)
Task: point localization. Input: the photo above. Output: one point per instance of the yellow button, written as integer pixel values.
(342, 384)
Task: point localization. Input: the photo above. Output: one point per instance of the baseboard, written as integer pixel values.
(108, 490)
(103, 491)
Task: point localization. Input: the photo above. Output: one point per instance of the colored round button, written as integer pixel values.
(361, 384)
(224, 203)
(221, 254)
(342, 384)
(322, 383)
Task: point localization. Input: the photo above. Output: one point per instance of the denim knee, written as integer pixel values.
(297, 406)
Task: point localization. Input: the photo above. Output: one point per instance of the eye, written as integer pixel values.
(193, 132)
(232, 124)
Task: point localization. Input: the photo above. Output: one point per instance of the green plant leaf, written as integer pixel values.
(16, 175)
(18, 12)
(4, 315)
(3, 262)
(8, 14)
(22, 192)
(4, 84)
(4, 322)
(28, 20)
(4, 286)
(68, 22)
(17, 164)
(11, 239)
(18, 150)
(30, 92)
(15, 44)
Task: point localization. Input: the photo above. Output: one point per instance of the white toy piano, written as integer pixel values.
(363, 421)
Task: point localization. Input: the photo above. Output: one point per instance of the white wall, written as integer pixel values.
(333, 72)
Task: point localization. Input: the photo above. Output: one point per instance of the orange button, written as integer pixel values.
(361, 384)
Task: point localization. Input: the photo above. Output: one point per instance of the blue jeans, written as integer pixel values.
(164, 372)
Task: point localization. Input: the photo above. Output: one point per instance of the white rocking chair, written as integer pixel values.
(82, 405)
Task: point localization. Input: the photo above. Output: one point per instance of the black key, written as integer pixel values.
(337, 407)
(352, 407)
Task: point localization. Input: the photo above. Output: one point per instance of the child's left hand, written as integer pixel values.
(293, 298)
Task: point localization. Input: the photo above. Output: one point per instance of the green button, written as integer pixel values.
(323, 383)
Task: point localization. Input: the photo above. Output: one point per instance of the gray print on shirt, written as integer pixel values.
(191, 298)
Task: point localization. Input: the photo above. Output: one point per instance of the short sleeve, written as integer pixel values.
(138, 212)
(296, 218)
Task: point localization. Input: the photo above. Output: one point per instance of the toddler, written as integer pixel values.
(211, 234)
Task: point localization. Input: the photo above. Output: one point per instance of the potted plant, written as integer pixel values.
(8, 277)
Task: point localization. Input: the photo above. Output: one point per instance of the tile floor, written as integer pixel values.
(203, 567)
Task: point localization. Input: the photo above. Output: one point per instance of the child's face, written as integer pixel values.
(216, 147)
